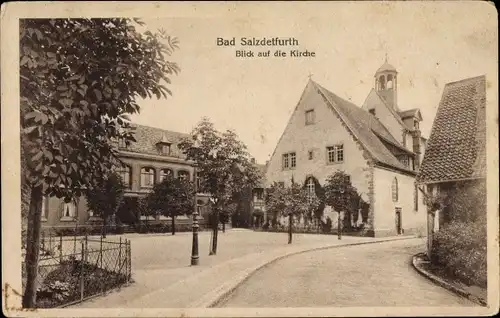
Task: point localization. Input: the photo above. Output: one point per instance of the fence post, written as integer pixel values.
(129, 260)
(60, 249)
(100, 252)
(81, 270)
(74, 245)
(120, 255)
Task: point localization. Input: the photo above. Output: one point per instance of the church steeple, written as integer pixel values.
(386, 84)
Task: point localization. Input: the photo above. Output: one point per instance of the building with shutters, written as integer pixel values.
(378, 144)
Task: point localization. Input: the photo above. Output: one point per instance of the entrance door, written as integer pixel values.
(399, 225)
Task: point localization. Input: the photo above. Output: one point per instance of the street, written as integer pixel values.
(366, 275)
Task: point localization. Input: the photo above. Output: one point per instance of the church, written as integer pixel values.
(379, 145)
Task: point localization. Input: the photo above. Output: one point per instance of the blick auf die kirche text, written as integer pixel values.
(281, 52)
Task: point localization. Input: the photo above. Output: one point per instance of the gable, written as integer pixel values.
(390, 119)
(327, 130)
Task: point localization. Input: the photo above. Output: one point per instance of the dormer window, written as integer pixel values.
(372, 111)
(415, 124)
(165, 149)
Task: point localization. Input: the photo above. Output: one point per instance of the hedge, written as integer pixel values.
(460, 247)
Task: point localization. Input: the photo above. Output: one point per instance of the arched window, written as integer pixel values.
(124, 173)
(311, 189)
(68, 210)
(164, 173)
(390, 83)
(183, 175)
(395, 189)
(147, 177)
(382, 82)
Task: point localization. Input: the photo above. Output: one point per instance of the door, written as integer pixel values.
(399, 226)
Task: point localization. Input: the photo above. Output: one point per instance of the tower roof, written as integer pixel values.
(386, 67)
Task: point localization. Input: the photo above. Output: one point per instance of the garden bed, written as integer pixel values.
(63, 285)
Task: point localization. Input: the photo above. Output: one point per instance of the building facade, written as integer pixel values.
(456, 153)
(378, 145)
(153, 156)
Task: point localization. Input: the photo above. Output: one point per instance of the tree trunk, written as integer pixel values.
(33, 247)
(173, 224)
(223, 227)
(430, 233)
(215, 231)
(290, 220)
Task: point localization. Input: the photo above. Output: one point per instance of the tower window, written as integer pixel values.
(382, 82)
(389, 81)
(310, 155)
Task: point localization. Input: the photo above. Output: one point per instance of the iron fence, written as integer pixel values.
(72, 269)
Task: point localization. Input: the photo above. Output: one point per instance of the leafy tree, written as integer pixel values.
(172, 197)
(291, 202)
(79, 78)
(223, 161)
(105, 198)
(342, 195)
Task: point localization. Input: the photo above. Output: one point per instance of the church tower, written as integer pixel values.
(386, 84)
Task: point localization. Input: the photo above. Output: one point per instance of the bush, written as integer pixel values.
(461, 249)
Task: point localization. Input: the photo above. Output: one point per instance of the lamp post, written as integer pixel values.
(194, 251)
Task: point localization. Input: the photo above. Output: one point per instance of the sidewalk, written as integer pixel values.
(473, 293)
(203, 286)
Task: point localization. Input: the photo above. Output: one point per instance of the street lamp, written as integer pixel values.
(194, 251)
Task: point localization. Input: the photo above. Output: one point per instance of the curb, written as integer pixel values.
(416, 261)
(214, 298)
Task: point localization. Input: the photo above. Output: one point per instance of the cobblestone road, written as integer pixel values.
(368, 275)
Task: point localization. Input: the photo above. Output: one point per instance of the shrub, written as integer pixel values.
(461, 249)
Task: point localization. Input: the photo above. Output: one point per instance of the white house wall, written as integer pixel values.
(385, 209)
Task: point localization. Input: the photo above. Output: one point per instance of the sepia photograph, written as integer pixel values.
(250, 159)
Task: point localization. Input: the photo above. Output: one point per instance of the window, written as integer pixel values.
(122, 144)
(183, 175)
(293, 160)
(165, 149)
(311, 189)
(335, 153)
(372, 111)
(285, 161)
(310, 117)
(289, 160)
(164, 173)
(147, 177)
(404, 161)
(395, 190)
(415, 124)
(124, 173)
(68, 211)
(389, 81)
(382, 82)
(310, 155)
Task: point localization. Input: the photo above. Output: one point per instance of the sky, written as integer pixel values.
(429, 43)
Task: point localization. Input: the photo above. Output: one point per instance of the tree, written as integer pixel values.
(105, 198)
(289, 202)
(172, 197)
(79, 80)
(223, 162)
(341, 195)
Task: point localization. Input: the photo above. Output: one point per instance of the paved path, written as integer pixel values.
(366, 275)
(164, 279)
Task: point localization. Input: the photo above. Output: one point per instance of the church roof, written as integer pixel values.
(367, 129)
(386, 67)
(456, 148)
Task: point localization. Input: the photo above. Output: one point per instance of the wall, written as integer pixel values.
(327, 130)
(413, 222)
